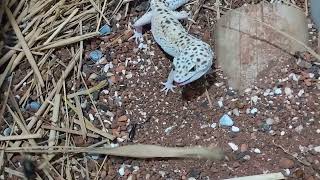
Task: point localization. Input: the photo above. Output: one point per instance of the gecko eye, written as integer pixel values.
(193, 69)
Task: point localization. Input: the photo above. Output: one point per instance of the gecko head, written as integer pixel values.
(192, 63)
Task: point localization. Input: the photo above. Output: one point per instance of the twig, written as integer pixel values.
(70, 131)
(57, 89)
(80, 115)
(97, 9)
(24, 46)
(304, 162)
(99, 86)
(54, 120)
(68, 41)
(20, 137)
(61, 26)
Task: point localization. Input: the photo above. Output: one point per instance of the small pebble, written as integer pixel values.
(298, 129)
(162, 173)
(244, 147)
(220, 103)
(254, 99)
(301, 92)
(317, 149)
(236, 112)
(107, 67)
(269, 121)
(253, 110)
(169, 129)
(246, 157)
(7, 131)
(256, 150)
(226, 120)
(213, 125)
(34, 106)
(91, 117)
(277, 91)
(318, 131)
(92, 76)
(287, 172)
(235, 129)
(121, 170)
(233, 146)
(286, 163)
(123, 118)
(105, 30)
(95, 55)
(266, 92)
(288, 91)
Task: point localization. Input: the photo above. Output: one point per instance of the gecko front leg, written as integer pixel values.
(168, 85)
(145, 19)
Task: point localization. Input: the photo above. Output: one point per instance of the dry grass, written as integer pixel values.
(42, 28)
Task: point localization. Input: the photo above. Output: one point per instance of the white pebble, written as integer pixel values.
(266, 92)
(317, 149)
(287, 91)
(254, 111)
(269, 121)
(256, 150)
(298, 129)
(233, 146)
(254, 99)
(287, 172)
(121, 170)
(236, 112)
(282, 133)
(169, 129)
(213, 125)
(129, 75)
(301, 92)
(91, 117)
(220, 103)
(311, 75)
(294, 77)
(277, 91)
(246, 157)
(235, 129)
(318, 131)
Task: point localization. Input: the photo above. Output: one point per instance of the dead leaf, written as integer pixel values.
(246, 46)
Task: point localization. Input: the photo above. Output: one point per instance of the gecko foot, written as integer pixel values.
(168, 86)
(137, 36)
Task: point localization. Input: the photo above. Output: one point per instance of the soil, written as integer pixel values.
(133, 102)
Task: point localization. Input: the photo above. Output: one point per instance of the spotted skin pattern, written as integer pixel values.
(192, 58)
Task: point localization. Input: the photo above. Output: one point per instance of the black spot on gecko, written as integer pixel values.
(198, 59)
(167, 21)
(204, 62)
(185, 53)
(195, 48)
(192, 55)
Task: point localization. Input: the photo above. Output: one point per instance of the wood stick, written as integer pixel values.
(61, 26)
(70, 131)
(54, 119)
(24, 46)
(57, 89)
(20, 137)
(65, 42)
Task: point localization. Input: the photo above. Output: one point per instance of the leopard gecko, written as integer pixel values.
(192, 58)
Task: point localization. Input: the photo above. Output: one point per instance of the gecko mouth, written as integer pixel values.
(183, 82)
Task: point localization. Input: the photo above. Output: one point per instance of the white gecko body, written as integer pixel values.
(192, 58)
